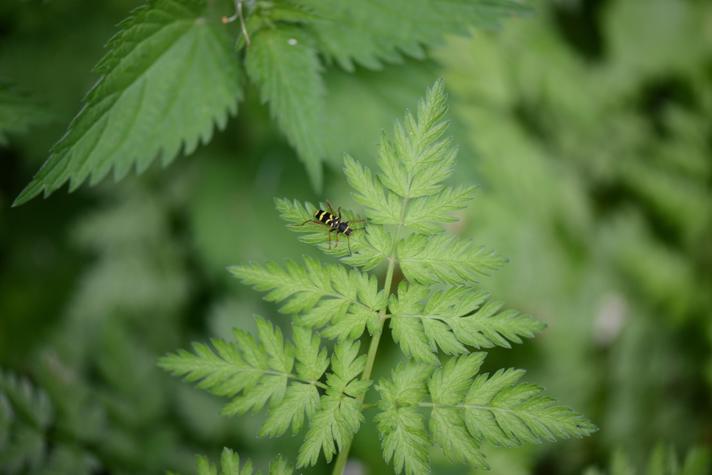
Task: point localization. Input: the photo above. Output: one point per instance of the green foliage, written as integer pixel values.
(595, 166)
(26, 418)
(18, 112)
(287, 69)
(170, 77)
(438, 308)
(230, 465)
(423, 321)
(663, 461)
(344, 301)
(370, 33)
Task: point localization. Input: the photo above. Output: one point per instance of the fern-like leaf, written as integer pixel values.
(170, 76)
(230, 465)
(25, 415)
(468, 410)
(404, 437)
(444, 259)
(345, 300)
(370, 245)
(250, 371)
(339, 415)
(423, 321)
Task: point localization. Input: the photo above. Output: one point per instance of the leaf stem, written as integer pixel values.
(343, 456)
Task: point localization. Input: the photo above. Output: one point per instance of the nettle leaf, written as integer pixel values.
(339, 415)
(230, 465)
(331, 296)
(371, 32)
(425, 321)
(287, 71)
(169, 78)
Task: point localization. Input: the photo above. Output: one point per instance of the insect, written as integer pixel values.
(335, 222)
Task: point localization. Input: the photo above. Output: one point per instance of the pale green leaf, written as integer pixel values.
(300, 402)
(427, 215)
(383, 206)
(370, 245)
(423, 321)
(230, 465)
(501, 412)
(443, 258)
(250, 372)
(404, 438)
(334, 425)
(416, 161)
(312, 359)
(320, 294)
(169, 78)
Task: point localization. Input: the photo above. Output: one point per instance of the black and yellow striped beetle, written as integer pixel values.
(334, 221)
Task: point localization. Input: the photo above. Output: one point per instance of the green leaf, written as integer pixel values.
(404, 439)
(414, 164)
(279, 466)
(445, 259)
(426, 215)
(26, 401)
(416, 161)
(620, 465)
(230, 465)
(25, 415)
(372, 32)
(383, 206)
(501, 412)
(251, 372)
(321, 295)
(286, 68)
(339, 415)
(423, 321)
(312, 359)
(447, 387)
(698, 461)
(300, 402)
(170, 76)
(6, 417)
(18, 112)
(370, 245)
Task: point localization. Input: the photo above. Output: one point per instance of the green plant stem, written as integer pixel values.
(343, 456)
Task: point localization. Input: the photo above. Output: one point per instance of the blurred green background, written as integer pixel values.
(588, 129)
